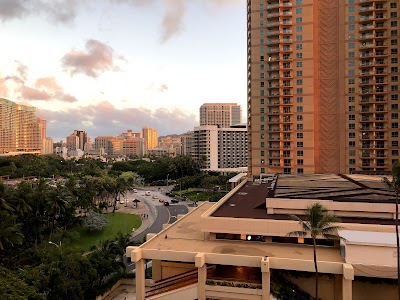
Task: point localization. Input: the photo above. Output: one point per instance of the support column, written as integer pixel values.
(136, 256)
(202, 275)
(347, 282)
(156, 270)
(266, 278)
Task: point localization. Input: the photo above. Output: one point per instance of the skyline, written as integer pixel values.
(122, 64)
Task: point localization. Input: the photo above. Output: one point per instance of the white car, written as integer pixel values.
(134, 191)
(147, 193)
(155, 197)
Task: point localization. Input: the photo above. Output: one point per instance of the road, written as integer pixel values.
(162, 214)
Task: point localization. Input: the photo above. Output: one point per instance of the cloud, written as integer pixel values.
(96, 59)
(105, 119)
(172, 23)
(59, 11)
(46, 89)
(158, 88)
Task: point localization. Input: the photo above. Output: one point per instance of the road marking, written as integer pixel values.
(169, 215)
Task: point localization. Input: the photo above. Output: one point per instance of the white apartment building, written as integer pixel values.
(220, 148)
(222, 115)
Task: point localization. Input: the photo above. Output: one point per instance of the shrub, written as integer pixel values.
(95, 222)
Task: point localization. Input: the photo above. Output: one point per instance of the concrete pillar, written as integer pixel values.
(266, 278)
(156, 270)
(202, 275)
(140, 280)
(347, 282)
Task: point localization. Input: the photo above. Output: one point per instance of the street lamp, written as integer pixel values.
(58, 246)
(167, 180)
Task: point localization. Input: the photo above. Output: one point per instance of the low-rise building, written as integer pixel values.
(238, 248)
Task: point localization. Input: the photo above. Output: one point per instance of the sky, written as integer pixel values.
(105, 66)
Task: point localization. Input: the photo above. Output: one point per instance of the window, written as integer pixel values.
(352, 18)
(352, 152)
(299, 108)
(262, 32)
(261, 127)
(262, 92)
(393, 42)
(299, 99)
(261, 41)
(299, 73)
(352, 126)
(299, 144)
(395, 134)
(352, 144)
(352, 99)
(299, 81)
(261, 6)
(299, 20)
(352, 90)
(262, 144)
(262, 170)
(300, 171)
(393, 51)
(394, 60)
(352, 135)
(352, 81)
(352, 161)
(393, 5)
(352, 45)
(352, 36)
(299, 126)
(352, 117)
(395, 116)
(262, 153)
(299, 37)
(299, 64)
(262, 75)
(300, 162)
(300, 153)
(299, 11)
(352, 54)
(299, 91)
(300, 55)
(261, 15)
(393, 23)
(352, 72)
(299, 135)
(352, 108)
(299, 118)
(394, 79)
(393, 14)
(351, 63)
(299, 2)
(394, 106)
(393, 32)
(262, 118)
(395, 152)
(395, 125)
(395, 143)
(352, 27)
(262, 67)
(352, 9)
(262, 101)
(299, 46)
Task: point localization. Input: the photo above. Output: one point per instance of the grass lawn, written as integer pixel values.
(201, 196)
(119, 222)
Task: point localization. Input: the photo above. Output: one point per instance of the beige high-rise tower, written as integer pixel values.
(223, 115)
(150, 136)
(323, 85)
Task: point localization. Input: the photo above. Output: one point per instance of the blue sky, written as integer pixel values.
(106, 66)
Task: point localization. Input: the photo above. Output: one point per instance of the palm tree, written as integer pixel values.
(317, 223)
(9, 231)
(394, 185)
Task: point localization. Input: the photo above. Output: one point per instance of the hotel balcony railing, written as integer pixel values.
(366, 36)
(367, 8)
(367, 27)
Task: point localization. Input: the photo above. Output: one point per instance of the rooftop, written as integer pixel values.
(186, 235)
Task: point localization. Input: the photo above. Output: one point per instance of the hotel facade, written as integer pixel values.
(323, 85)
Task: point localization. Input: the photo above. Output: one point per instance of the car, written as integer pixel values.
(121, 202)
(161, 200)
(174, 201)
(134, 190)
(147, 193)
(155, 197)
(166, 203)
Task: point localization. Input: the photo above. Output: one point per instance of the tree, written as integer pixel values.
(95, 222)
(318, 223)
(394, 185)
(10, 233)
(13, 288)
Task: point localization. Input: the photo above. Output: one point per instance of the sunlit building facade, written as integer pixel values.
(150, 135)
(20, 130)
(323, 84)
(222, 115)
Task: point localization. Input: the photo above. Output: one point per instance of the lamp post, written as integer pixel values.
(58, 246)
(167, 180)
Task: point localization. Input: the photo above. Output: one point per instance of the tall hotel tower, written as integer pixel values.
(323, 80)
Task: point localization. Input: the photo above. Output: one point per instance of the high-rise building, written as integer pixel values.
(128, 143)
(323, 79)
(222, 115)
(20, 130)
(77, 140)
(220, 148)
(150, 136)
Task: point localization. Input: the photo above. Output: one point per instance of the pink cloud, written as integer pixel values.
(94, 60)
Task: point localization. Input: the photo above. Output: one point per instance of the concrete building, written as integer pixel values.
(128, 143)
(323, 79)
(48, 146)
(220, 147)
(238, 248)
(77, 140)
(222, 115)
(150, 136)
(20, 130)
